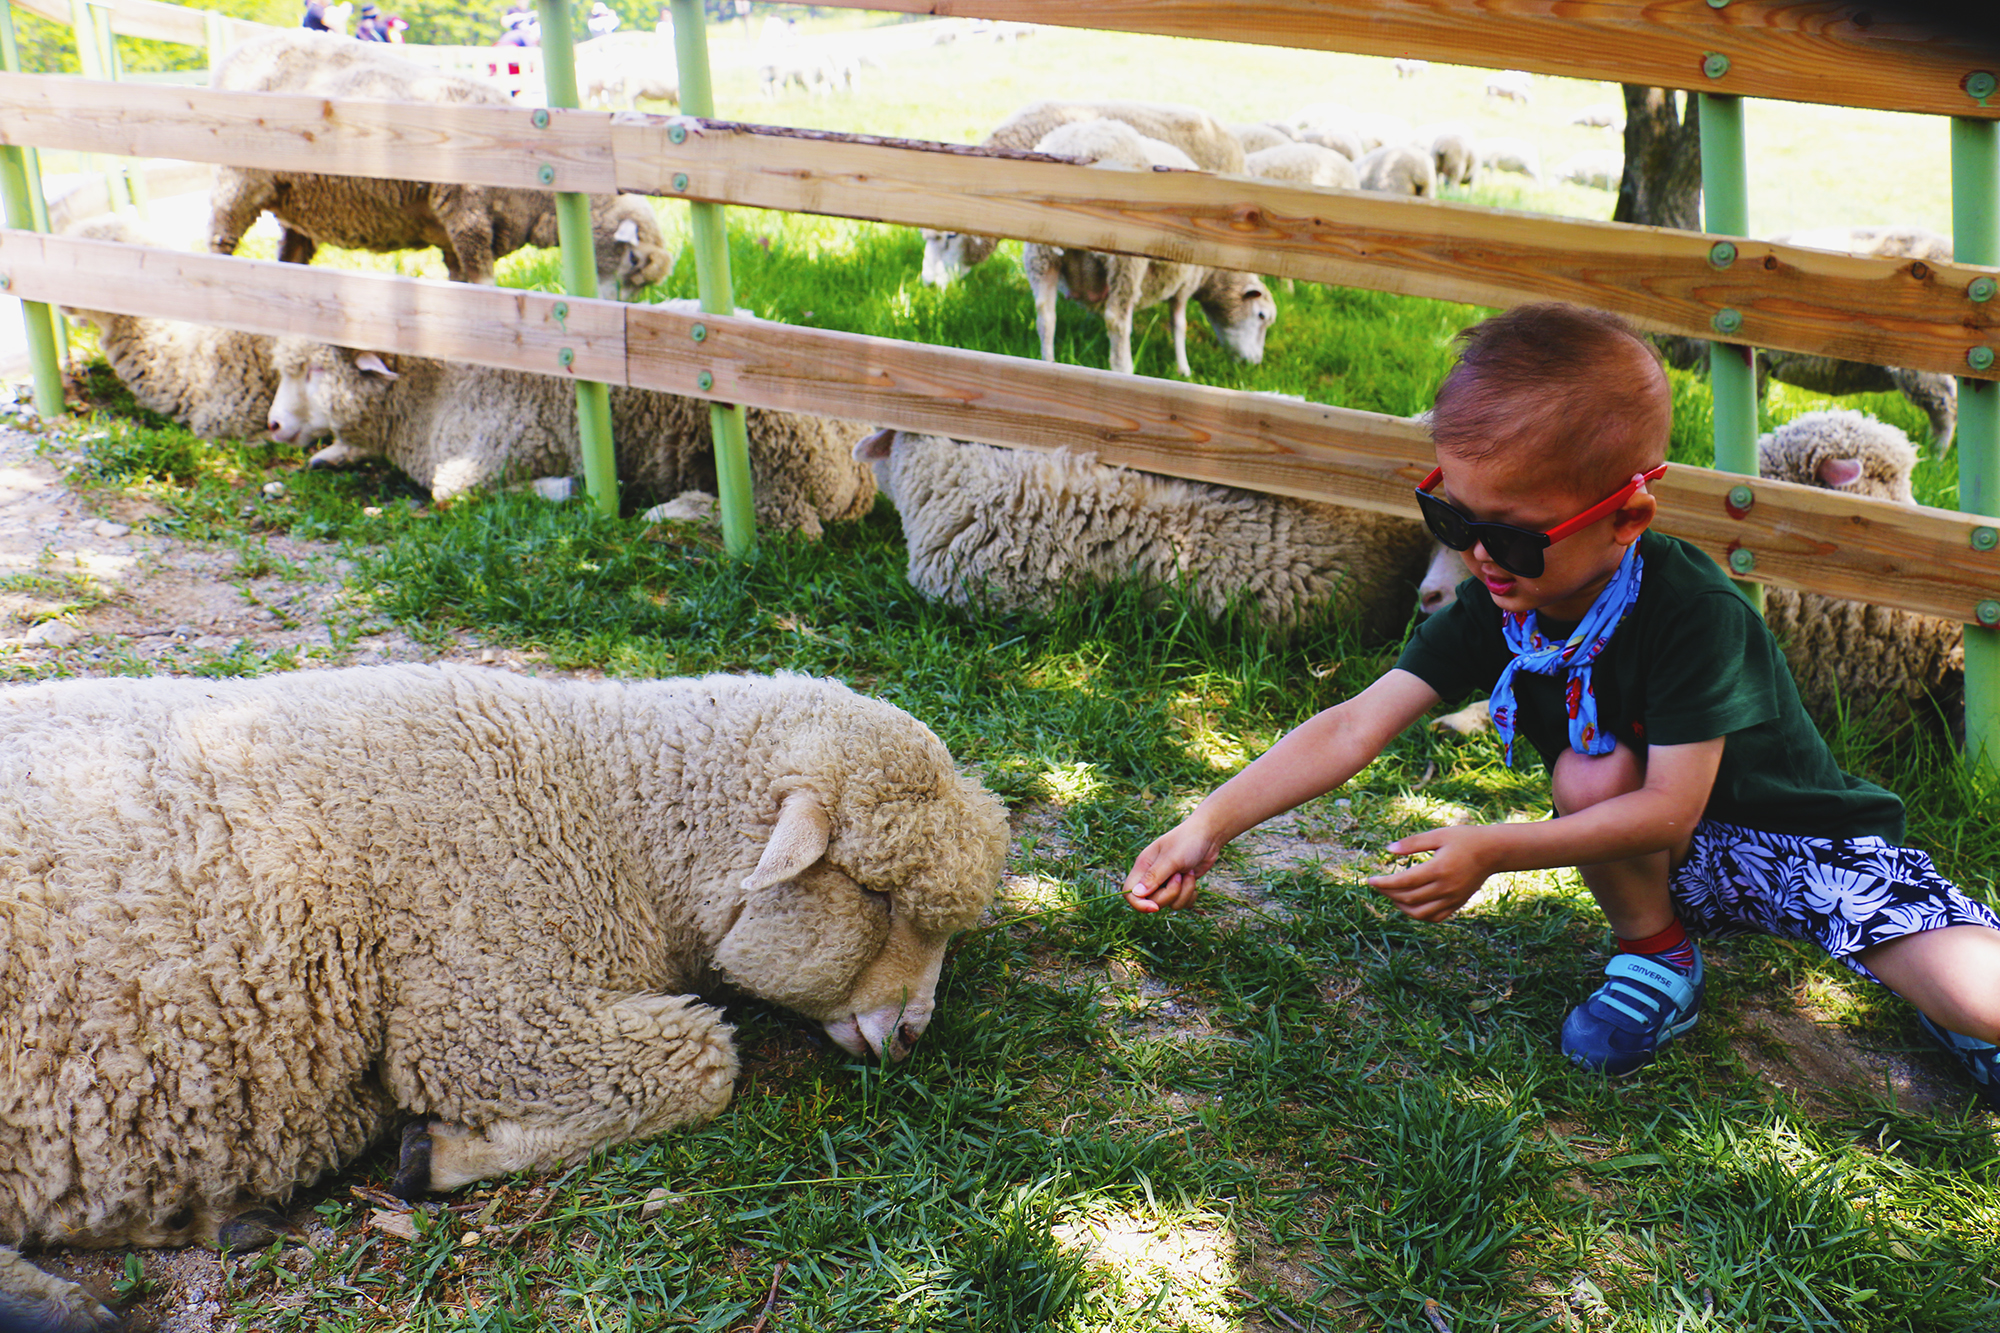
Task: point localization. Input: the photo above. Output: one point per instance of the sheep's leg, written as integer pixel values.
(1043, 265)
(536, 1090)
(238, 197)
(1179, 318)
(30, 1298)
(1121, 302)
(295, 247)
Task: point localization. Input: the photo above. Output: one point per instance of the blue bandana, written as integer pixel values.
(1533, 652)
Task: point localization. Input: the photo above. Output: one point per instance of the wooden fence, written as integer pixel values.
(1898, 312)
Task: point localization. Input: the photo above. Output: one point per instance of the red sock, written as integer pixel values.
(1671, 946)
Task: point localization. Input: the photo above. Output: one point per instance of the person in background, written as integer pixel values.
(369, 27)
(602, 21)
(315, 16)
(396, 25)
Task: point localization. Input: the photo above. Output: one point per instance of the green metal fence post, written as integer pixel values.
(1732, 374)
(711, 266)
(579, 264)
(20, 196)
(1975, 239)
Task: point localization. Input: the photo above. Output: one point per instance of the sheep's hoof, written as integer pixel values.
(253, 1229)
(413, 1169)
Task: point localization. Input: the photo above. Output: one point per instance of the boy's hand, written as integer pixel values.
(1166, 873)
(1435, 888)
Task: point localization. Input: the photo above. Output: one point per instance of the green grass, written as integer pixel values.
(1291, 1107)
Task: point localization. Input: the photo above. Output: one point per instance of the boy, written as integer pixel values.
(1690, 789)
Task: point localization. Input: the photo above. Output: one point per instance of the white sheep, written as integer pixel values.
(250, 924)
(1239, 307)
(1600, 116)
(1877, 662)
(470, 224)
(1934, 394)
(1408, 68)
(1511, 85)
(625, 69)
(1009, 528)
(1511, 154)
(1398, 169)
(1597, 168)
(1454, 151)
(947, 255)
(1256, 136)
(1338, 138)
(217, 382)
(452, 426)
(1303, 164)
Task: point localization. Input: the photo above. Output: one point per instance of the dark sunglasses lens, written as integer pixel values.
(1446, 524)
(1514, 552)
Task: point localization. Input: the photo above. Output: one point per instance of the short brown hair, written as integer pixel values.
(1579, 388)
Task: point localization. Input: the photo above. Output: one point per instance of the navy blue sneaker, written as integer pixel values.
(1980, 1058)
(1641, 1007)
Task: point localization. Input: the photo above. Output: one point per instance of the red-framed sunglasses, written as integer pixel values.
(1516, 550)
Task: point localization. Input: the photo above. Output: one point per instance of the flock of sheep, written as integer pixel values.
(355, 958)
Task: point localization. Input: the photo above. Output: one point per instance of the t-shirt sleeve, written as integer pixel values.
(1458, 652)
(1713, 670)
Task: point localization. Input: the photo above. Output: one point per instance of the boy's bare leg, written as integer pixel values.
(1952, 974)
(1632, 894)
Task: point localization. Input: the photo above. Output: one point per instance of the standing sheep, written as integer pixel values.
(1454, 152)
(1597, 168)
(1934, 394)
(1238, 306)
(1201, 136)
(217, 382)
(1511, 85)
(1876, 662)
(1516, 155)
(1009, 528)
(248, 925)
(1256, 136)
(471, 225)
(1398, 169)
(1303, 164)
(453, 426)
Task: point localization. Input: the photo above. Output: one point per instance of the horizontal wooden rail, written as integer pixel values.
(1838, 52)
(1871, 550)
(1883, 311)
(154, 21)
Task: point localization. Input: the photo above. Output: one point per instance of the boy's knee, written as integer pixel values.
(1582, 780)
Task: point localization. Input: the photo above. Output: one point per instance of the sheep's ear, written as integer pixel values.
(627, 233)
(1839, 472)
(799, 840)
(370, 364)
(874, 446)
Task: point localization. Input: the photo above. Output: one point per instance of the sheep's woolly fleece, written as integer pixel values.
(1876, 662)
(1013, 528)
(245, 924)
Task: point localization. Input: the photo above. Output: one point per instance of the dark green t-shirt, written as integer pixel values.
(1690, 662)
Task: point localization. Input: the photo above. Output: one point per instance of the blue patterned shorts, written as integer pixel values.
(1844, 896)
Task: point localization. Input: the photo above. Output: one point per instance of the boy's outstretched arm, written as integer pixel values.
(1311, 760)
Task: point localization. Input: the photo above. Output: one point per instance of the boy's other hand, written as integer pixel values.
(1166, 873)
(1434, 888)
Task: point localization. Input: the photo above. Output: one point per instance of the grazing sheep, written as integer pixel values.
(1239, 307)
(625, 69)
(452, 426)
(471, 225)
(1303, 164)
(1934, 394)
(1511, 85)
(1600, 116)
(1337, 138)
(1409, 69)
(1201, 136)
(1876, 662)
(1009, 528)
(217, 382)
(251, 924)
(1515, 155)
(1597, 168)
(1398, 169)
(1256, 136)
(1454, 152)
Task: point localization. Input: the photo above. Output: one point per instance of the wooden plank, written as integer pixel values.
(1892, 312)
(135, 18)
(1828, 51)
(478, 145)
(498, 326)
(1871, 550)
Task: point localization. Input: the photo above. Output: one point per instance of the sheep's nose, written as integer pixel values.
(1432, 601)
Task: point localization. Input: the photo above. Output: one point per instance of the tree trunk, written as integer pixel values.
(1661, 185)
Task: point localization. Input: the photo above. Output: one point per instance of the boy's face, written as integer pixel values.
(1517, 489)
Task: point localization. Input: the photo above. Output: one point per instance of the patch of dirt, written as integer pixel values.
(1825, 1067)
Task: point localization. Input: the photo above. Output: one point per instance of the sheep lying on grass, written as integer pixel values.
(1010, 528)
(1876, 662)
(1934, 394)
(470, 224)
(948, 254)
(1239, 307)
(217, 382)
(250, 924)
(453, 426)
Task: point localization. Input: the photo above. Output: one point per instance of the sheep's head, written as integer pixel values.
(872, 864)
(1841, 450)
(631, 254)
(1240, 310)
(326, 390)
